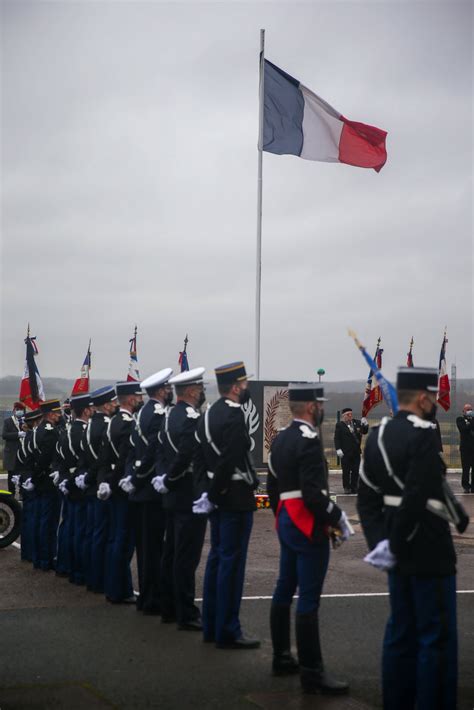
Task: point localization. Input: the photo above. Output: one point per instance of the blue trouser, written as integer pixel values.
(63, 562)
(99, 516)
(27, 518)
(224, 576)
(47, 517)
(87, 540)
(77, 534)
(119, 551)
(420, 644)
(303, 564)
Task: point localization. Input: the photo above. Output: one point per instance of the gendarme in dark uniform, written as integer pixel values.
(24, 470)
(184, 529)
(347, 442)
(149, 516)
(225, 449)
(405, 508)
(465, 425)
(297, 485)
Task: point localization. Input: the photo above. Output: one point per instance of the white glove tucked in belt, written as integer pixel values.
(203, 505)
(80, 481)
(381, 557)
(340, 453)
(63, 487)
(28, 485)
(104, 491)
(54, 477)
(16, 479)
(21, 434)
(345, 527)
(158, 484)
(126, 484)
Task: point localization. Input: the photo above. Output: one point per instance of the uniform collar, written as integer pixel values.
(303, 421)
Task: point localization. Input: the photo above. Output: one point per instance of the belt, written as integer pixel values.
(289, 495)
(432, 504)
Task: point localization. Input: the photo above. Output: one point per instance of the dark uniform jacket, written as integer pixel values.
(175, 457)
(142, 455)
(349, 441)
(465, 426)
(224, 457)
(92, 440)
(116, 444)
(25, 463)
(404, 504)
(11, 430)
(296, 463)
(71, 456)
(44, 448)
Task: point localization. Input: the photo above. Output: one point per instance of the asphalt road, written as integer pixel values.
(62, 647)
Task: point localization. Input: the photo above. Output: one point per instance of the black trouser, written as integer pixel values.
(11, 485)
(467, 463)
(149, 538)
(350, 471)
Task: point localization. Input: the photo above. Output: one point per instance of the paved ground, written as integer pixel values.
(61, 647)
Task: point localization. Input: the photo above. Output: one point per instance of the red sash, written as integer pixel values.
(299, 514)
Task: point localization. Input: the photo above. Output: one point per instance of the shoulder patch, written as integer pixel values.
(230, 403)
(159, 409)
(307, 432)
(191, 413)
(48, 426)
(420, 423)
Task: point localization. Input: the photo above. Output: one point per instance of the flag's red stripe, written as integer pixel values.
(362, 145)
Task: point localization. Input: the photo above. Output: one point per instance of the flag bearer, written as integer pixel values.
(23, 471)
(405, 507)
(184, 530)
(298, 490)
(225, 446)
(119, 551)
(148, 513)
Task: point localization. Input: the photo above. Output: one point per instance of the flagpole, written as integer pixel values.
(259, 208)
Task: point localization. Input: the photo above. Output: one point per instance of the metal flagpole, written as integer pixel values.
(259, 209)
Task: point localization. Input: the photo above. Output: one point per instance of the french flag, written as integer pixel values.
(298, 122)
(81, 385)
(444, 388)
(31, 386)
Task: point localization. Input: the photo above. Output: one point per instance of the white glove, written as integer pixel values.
(28, 485)
(203, 505)
(364, 421)
(54, 477)
(158, 484)
(126, 484)
(63, 487)
(16, 480)
(381, 557)
(21, 434)
(104, 491)
(340, 453)
(80, 481)
(345, 527)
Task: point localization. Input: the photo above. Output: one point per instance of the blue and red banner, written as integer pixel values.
(133, 373)
(444, 388)
(31, 386)
(81, 385)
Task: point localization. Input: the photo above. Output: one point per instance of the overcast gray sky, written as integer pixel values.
(129, 176)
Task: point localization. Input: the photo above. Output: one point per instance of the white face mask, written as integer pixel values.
(19, 413)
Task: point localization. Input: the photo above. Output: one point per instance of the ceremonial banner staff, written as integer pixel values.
(81, 385)
(259, 207)
(31, 387)
(183, 357)
(410, 354)
(133, 373)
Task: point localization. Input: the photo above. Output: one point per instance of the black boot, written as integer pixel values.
(314, 678)
(283, 662)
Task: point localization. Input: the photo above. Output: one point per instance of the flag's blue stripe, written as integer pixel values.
(388, 390)
(283, 112)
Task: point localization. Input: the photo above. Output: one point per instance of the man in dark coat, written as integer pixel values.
(347, 442)
(465, 425)
(13, 432)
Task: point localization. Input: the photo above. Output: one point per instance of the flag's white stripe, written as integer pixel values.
(321, 129)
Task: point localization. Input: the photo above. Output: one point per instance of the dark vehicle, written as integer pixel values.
(10, 518)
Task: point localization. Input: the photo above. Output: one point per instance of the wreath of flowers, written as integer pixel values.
(262, 501)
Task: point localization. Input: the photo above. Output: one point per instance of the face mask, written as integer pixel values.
(318, 417)
(19, 413)
(137, 407)
(168, 400)
(244, 396)
(116, 410)
(201, 399)
(431, 415)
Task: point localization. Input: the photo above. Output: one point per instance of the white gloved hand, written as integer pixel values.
(126, 484)
(203, 506)
(381, 557)
(104, 491)
(345, 527)
(63, 487)
(364, 421)
(28, 485)
(340, 453)
(21, 434)
(80, 481)
(158, 484)
(54, 477)
(16, 480)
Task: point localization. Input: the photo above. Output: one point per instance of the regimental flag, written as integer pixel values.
(81, 385)
(388, 390)
(410, 355)
(31, 386)
(298, 122)
(373, 393)
(133, 374)
(183, 357)
(444, 389)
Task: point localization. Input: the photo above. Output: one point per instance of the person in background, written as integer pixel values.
(347, 442)
(13, 432)
(465, 425)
